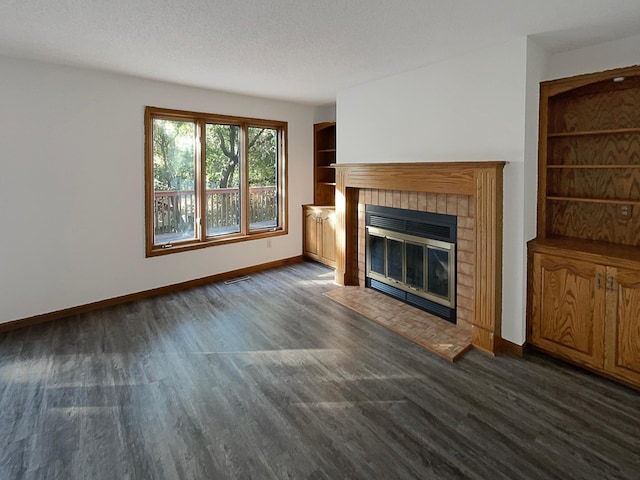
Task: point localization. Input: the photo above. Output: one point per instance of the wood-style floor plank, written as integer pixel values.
(268, 379)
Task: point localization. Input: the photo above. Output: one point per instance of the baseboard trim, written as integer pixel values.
(176, 287)
(506, 347)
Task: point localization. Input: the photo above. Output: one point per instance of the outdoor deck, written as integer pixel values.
(175, 212)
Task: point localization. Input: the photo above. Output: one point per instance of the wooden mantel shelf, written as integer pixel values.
(481, 180)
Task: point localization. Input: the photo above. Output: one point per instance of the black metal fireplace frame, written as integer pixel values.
(408, 223)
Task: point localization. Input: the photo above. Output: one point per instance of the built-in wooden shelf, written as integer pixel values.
(324, 155)
(595, 200)
(594, 132)
(593, 167)
(602, 252)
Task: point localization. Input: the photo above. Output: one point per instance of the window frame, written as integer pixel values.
(201, 240)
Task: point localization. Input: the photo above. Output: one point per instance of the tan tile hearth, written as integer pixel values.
(439, 336)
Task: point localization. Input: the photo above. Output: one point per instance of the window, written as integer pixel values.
(212, 179)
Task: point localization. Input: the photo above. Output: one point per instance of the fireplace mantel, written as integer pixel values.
(480, 180)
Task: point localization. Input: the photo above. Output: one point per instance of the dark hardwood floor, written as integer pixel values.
(267, 378)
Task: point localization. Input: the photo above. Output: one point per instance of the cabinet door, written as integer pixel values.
(623, 324)
(568, 308)
(328, 250)
(311, 238)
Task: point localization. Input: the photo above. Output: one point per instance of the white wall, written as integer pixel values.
(605, 56)
(537, 60)
(467, 108)
(71, 186)
(325, 113)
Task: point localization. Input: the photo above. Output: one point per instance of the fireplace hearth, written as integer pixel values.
(411, 255)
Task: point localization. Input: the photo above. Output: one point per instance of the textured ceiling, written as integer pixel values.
(300, 50)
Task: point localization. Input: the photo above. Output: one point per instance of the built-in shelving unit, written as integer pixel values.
(319, 218)
(584, 265)
(590, 158)
(324, 155)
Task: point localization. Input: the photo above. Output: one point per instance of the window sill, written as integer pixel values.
(159, 250)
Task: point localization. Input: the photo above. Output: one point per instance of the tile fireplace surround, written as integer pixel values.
(470, 190)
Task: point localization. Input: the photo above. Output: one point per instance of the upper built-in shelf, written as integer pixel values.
(324, 155)
(594, 200)
(594, 132)
(591, 167)
(589, 157)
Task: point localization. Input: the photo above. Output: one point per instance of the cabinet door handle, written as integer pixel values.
(611, 283)
(598, 281)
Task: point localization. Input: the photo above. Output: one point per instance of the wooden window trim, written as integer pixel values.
(201, 240)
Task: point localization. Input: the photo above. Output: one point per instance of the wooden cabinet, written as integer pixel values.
(584, 265)
(319, 234)
(585, 310)
(622, 357)
(568, 308)
(324, 155)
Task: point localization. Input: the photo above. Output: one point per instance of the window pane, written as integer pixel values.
(263, 180)
(222, 179)
(173, 180)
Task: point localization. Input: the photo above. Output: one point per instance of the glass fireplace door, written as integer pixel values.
(420, 266)
(414, 264)
(395, 259)
(438, 272)
(376, 254)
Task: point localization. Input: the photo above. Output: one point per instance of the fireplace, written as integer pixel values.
(470, 190)
(411, 255)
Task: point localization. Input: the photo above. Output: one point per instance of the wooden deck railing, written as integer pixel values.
(174, 210)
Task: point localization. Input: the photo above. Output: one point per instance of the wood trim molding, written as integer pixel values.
(556, 87)
(481, 180)
(200, 239)
(436, 177)
(487, 323)
(110, 302)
